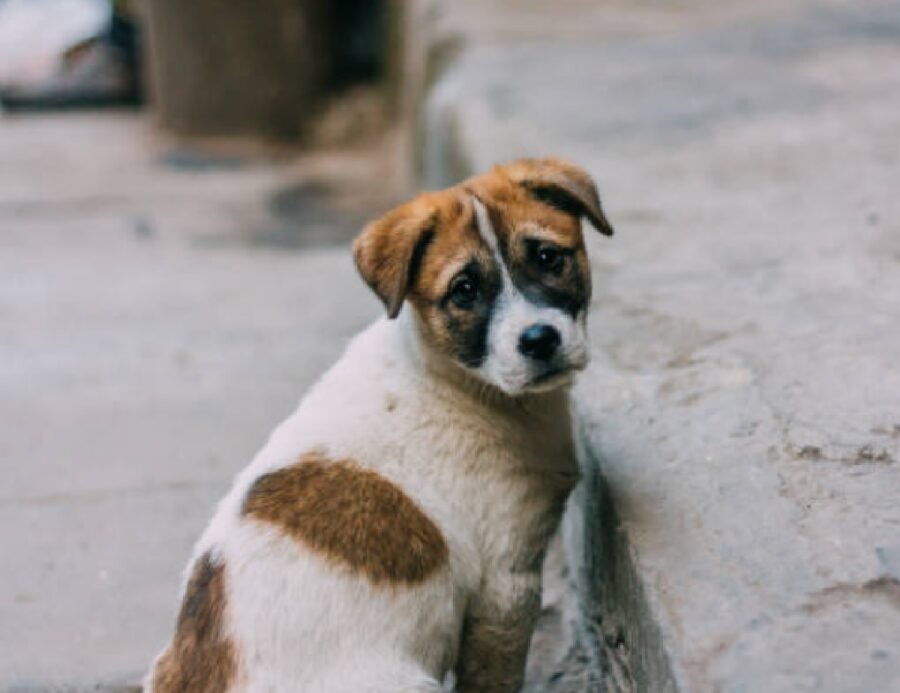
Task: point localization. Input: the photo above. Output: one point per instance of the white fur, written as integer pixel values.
(504, 366)
(487, 469)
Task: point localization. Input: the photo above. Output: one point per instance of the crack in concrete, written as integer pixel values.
(884, 587)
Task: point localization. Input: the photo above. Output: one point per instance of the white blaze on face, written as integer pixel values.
(505, 366)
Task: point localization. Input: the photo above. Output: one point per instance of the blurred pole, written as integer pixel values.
(238, 67)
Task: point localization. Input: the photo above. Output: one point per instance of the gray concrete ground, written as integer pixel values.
(739, 529)
(161, 311)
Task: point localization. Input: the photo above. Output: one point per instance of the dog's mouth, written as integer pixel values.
(555, 376)
(551, 379)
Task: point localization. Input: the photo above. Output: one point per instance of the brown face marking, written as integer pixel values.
(200, 658)
(560, 184)
(457, 250)
(416, 250)
(413, 252)
(352, 516)
(567, 285)
(524, 225)
(388, 251)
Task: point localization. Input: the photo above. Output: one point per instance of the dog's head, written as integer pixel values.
(495, 269)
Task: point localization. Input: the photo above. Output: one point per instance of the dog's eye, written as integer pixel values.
(463, 291)
(549, 258)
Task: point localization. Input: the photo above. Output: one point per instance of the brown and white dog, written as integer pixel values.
(392, 530)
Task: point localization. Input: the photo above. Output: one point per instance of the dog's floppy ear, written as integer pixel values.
(389, 250)
(562, 185)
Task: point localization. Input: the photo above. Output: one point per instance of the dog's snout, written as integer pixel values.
(539, 342)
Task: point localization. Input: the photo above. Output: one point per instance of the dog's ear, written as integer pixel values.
(388, 251)
(563, 185)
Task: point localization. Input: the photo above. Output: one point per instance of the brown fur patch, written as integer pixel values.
(458, 245)
(351, 515)
(559, 183)
(389, 250)
(517, 216)
(515, 208)
(200, 659)
(415, 250)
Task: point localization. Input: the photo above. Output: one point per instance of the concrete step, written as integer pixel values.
(739, 525)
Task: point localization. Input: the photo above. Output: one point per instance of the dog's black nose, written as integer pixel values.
(539, 342)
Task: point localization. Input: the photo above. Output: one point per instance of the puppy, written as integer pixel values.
(392, 530)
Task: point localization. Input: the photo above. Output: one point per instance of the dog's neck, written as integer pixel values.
(424, 356)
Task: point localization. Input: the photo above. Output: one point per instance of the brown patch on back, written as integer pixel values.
(200, 658)
(352, 516)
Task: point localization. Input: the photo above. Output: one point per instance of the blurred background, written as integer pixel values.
(179, 184)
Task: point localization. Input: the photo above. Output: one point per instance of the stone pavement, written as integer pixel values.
(739, 528)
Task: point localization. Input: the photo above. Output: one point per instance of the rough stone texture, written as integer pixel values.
(558, 660)
(741, 422)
